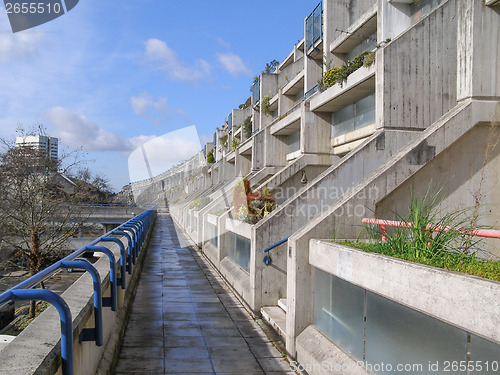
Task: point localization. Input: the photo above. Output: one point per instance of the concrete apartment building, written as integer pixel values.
(423, 107)
(47, 145)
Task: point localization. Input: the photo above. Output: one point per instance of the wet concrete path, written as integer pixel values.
(185, 320)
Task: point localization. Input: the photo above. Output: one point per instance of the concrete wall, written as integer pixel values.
(464, 301)
(417, 72)
(467, 180)
(343, 218)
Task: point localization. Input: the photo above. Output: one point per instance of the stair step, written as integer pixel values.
(276, 318)
(282, 304)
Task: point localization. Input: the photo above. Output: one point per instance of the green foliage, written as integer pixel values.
(265, 105)
(369, 59)
(199, 203)
(210, 157)
(223, 141)
(235, 143)
(339, 75)
(246, 104)
(271, 66)
(456, 262)
(424, 242)
(247, 127)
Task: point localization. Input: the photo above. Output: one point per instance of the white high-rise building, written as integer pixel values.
(46, 144)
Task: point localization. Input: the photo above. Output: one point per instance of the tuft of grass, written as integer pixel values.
(464, 263)
(452, 249)
(22, 323)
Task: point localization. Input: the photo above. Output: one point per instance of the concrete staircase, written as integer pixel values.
(275, 317)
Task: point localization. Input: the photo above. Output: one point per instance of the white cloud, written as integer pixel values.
(158, 51)
(19, 45)
(233, 64)
(146, 106)
(158, 154)
(223, 43)
(77, 131)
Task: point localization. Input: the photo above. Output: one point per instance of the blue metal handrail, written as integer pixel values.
(267, 259)
(138, 226)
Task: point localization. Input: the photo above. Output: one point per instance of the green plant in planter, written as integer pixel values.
(223, 141)
(235, 143)
(369, 59)
(265, 106)
(339, 75)
(250, 207)
(210, 157)
(247, 127)
(452, 249)
(199, 203)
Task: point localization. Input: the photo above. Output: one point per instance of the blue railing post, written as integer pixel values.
(64, 316)
(123, 259)
(112, 274)
(96, 278)
(129, 248)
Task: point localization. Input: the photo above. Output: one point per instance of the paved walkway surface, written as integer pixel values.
(186, 321)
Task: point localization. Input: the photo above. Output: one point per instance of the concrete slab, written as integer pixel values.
(185, 320)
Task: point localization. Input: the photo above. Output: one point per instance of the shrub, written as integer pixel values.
(210, 157)
(265, 106)
(247, 127)
(339, 75)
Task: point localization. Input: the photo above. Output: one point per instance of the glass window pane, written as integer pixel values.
(397, 335)
(239, 250)
(484, 355)
(340, 316)
(294, 142)
(365, 112)
(343, 121)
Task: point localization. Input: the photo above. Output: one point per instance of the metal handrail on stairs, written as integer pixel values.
(267, 259)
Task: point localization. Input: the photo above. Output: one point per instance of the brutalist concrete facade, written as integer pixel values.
(426, 110)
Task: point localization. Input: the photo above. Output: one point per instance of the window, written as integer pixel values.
(354, 116)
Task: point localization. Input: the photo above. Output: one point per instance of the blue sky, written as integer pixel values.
(110, 75)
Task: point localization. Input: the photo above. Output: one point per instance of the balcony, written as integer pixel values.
(314, 30)
(357, 86)
(255, 92)
(356, 33)
(289, 124)
(296, 85)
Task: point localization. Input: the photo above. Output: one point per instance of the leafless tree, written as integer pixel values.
(37, 210)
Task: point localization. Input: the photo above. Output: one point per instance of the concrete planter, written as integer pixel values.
(467, 302)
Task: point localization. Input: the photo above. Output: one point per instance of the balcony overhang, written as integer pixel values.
(358, 85)
(357, 32)
(288, 125)
(295, 85)
(246, 148)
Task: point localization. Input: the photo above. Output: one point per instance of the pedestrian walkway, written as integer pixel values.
(186, 321)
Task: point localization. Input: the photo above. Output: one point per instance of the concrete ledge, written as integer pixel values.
(237, 278)
(239, 227)
(212, 253)
(465, 301)
(316, 354)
